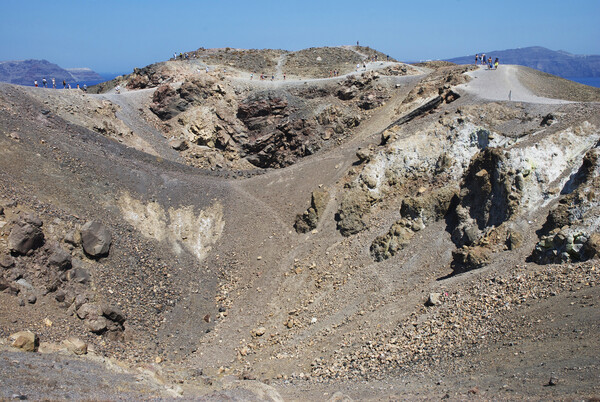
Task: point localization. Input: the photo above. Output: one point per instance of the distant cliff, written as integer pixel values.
(84, 74)
(559, 63)
(25, 72)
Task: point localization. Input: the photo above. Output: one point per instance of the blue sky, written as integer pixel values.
(116, 36)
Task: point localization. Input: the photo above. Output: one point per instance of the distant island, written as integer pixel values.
(25, 72)
(560, 63)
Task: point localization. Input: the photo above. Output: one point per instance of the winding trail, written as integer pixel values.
(130, 102)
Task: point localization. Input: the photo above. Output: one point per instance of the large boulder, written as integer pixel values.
(96, 239)
(100, 318)
(91, 314)
(76, 345)
(355, 204)
(26, 235)
(468, 258)
(25, 340)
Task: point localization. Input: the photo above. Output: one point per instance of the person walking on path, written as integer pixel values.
(44, 82)
(35, 83)
(64, 84)
(53, 83)
(476, 59)
(496, 62)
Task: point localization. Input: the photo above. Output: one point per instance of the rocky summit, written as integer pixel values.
(324, 224)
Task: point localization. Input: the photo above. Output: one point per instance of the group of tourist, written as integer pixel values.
(482, 60)
(64, 84)
(184, 56)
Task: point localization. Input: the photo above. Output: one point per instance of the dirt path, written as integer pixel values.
(130, 103)
(353, 49)
(280, 65)
(502, 85)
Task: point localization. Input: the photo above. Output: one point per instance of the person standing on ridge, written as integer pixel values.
(64, 84)
(44, 82)
(53, 83)
(476, 59)
(496, 62)
(35, 83)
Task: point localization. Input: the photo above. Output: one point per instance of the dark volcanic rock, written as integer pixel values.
(26, 235)
(60, 258)
(96, 239)
(276, 139)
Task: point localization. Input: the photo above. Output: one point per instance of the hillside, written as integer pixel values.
(558, 63)
(24, 72)
(400, 232)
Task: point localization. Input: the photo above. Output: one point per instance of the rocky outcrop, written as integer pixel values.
(308, 220)
(416, 213)
(486, 198)
(572, 228)
(275, 138)
(355, 204)
(399, 236)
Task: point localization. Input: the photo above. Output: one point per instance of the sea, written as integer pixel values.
(591, 81)
(105, 77)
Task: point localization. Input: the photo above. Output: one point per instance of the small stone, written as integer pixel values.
(179, 144)
(158, 360)
(553, 381)
(6, 261)
(434, 299)
(474, 391)
(25, 340)
(260, 331)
